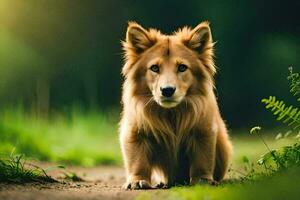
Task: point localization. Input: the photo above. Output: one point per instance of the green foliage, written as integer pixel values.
(282, 158)
(287, 114)
(286, 156)
(15, 169)
(294, 83)
(72, 176)
(275, 160)
(86, 139)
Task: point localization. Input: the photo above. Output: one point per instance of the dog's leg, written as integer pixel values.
(166, 167)
(161, 178)
(136, 154)
(223, 154)
(201, 153)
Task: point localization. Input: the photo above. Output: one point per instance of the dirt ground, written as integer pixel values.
(99, 183)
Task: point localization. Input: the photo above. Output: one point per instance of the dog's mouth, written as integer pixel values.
(168, 102)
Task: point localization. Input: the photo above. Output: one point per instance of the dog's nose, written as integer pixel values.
(167, 91)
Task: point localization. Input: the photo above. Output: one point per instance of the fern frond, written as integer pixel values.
(294, 79)
(287, 114)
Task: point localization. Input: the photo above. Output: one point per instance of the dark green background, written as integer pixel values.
(57, 54)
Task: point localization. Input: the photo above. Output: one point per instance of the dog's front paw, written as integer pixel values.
(137, 185)
(203, 181)
(162, 185)
(208, 181)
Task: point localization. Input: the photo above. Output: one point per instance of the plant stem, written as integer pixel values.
(264, 142)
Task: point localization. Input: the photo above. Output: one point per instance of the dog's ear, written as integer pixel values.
(200, 38)
(137, 38)
(137, 41)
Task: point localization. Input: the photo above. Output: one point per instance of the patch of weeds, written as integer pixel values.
(250, 172)
(288, 156)
(285, 157)
(15, 169)
(278, 159)
(269, 163)
(73, 176)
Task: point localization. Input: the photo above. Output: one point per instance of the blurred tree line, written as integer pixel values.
(55, 54)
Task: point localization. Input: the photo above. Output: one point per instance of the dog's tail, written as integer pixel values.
(223, 154)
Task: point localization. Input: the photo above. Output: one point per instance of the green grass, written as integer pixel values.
(284, 185)
(15, 169)
(86, 139)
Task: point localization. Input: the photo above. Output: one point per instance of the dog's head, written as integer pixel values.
(169, 68)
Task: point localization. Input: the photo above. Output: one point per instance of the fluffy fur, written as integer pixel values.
(182, 139)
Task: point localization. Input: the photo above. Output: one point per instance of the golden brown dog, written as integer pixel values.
(171, 124)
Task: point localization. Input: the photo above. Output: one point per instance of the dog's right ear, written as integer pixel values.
(137, 38)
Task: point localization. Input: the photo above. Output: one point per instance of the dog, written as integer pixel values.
(171, 127)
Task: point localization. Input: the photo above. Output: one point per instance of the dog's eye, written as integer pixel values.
(154, 68)
(182, 68)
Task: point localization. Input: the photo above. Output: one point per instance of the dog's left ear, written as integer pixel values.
(200, 38)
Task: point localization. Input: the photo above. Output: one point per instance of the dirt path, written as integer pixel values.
(100, 183)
